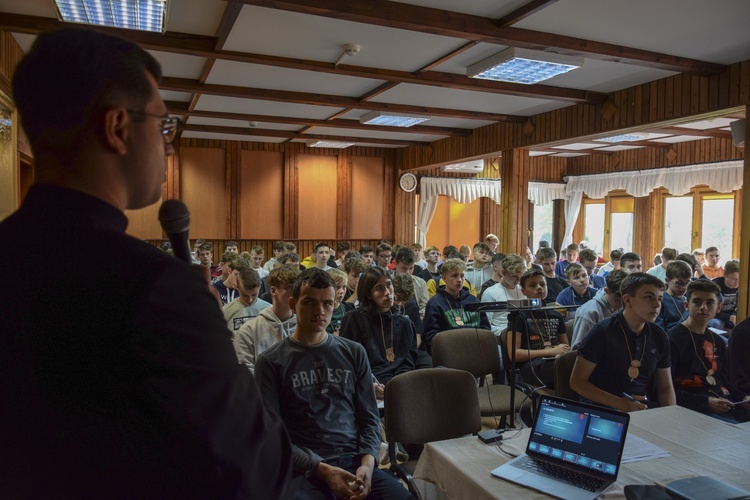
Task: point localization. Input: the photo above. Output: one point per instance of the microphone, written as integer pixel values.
(174, 217)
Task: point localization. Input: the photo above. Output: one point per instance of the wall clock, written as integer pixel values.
(408, 182)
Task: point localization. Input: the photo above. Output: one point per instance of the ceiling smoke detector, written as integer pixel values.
(349, 49)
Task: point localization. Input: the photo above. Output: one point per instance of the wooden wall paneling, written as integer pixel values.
(317, 196)
(344, 194)
(203, 189)
(390, 183)
(743, 299)
(260, 191)
(368, 194)
(291, 192)
(514, 216)
(144, 223)
(232, 188)
(558, 226)
(489, 218)
(642, 229)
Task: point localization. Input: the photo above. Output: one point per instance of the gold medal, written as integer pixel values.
(459, 321)
(710, 377)
(390, 355)
(633, 372)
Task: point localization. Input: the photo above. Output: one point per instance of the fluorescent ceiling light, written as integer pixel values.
(624, 138)
(314, 143)
(392, 119)
(470, 166)
(143, 15)
(523, 66)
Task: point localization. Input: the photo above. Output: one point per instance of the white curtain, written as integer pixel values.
(542, 193)
(572, 208)
(723, 177)
(461, 190)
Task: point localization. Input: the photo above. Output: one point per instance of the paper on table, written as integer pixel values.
(637, 450)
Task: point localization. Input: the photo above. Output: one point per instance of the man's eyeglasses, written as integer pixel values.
(169, 124)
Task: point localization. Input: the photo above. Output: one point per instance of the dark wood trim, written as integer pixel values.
(193, 86)
(523, 12)
(481, 29)
(231, 13)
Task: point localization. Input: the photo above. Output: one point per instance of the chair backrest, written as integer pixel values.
(431, 405)
(569, 327)
(470, 349)
(563, 368)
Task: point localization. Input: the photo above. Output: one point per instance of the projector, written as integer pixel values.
(524, 303)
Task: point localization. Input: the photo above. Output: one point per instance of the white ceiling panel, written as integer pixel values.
(679, 138)
(29, 7)
(570, 155)
(494, 9)
(230, 137)
(578, 146)
(268, 77)
(257, 107)
(257, 30)
(434, 121)
(675, 27)
(462, 99)
(170, 95)
(619, 148)
(707, 124)
(179, 65)
(374, 134)
(202, 120)
(201, 17)
(539, 153)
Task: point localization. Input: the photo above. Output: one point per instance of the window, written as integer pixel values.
(543, 217)
(678, 223)
(621, 217)
(593, 227)
(717, 222)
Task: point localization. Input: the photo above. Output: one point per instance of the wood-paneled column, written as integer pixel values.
(515, 171)
(743, 298)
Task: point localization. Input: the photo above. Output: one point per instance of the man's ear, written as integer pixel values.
(116, 123)
(719, 306)
(292, 303)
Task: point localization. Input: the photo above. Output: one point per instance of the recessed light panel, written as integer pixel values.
(142, 15)
(392, 119)
(517, 65)
(328, 144)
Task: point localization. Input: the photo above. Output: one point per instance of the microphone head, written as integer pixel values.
(174, 216)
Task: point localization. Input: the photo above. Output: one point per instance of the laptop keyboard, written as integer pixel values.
(574, 478)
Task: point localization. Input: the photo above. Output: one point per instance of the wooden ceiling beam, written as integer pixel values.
(194, 86)
(204, 46)
(228, 19)
(286, 134)
(179, 108)
(523, 12)
(481, 29)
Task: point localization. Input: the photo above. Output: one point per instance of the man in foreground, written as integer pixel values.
(126, 384)
(322, 388)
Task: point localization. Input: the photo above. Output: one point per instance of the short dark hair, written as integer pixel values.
(231, 243)
(543, 244)
(357, 265)
(278, 245)
(289, 256)
(406, 256)
(383, 247)
(249, 278)
(588, 255)
(365, 249)
(545, 253)
(635, 281)
(314, 278)
(704, 286)
(206, 246)
(92, 71)
(366, 283)
(669, 253)
(731, 267)
(530, 274)
(690, 259)
(342, 246)
(481, 246)
(615, 254)
(498, 257)
(319, 246)
(614, 281)
(572, 248)
(679, 269)
(711, 249)
(285, 274)
(448, 249)
(239, 264)
(228, 257)
(629, 257)
(403, 287)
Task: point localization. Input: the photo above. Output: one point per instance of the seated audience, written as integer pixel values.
(321, 386)
(466, 252)
(445, 310)
(631, 262)
(206, 255)
(291, 259)
(540, 336)
(700, 365)
(433, 284)
(320, 255)
(404, 303)
(492, 241)
(431, 271)
(739, 354)
(497, 273)
(247, 305)
(694, 265)
(342, 248)
(605, 303)
(354, 266)
(480, 270)
(588, 259)
(660, 270)
(228, 287)
(405, 259)
(729, 285)
(340, 308)
(256, 259)
(673, 304)
(711, 268)
(571, 256)
(383, 255)
(529, 257)
(389, 339)
(614, 263)
(231, 246)
(420, 262)
(626, 355)
(273, 324)
(222, 271)
(278, 251)
(700, 256)
(547, 258)
(513, 267)
(368, 254)
(579, 292)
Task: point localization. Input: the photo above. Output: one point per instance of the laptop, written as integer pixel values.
(574, 450)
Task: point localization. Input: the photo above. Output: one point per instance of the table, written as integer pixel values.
(699, 445)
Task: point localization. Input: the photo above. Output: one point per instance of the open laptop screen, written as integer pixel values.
(579, 435)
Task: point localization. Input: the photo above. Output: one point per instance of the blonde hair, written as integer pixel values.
(514, 263)
(453, 265)
(338, 275)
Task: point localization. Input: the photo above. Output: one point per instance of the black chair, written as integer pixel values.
(475, 351)
(428, 405)
(563, 368)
